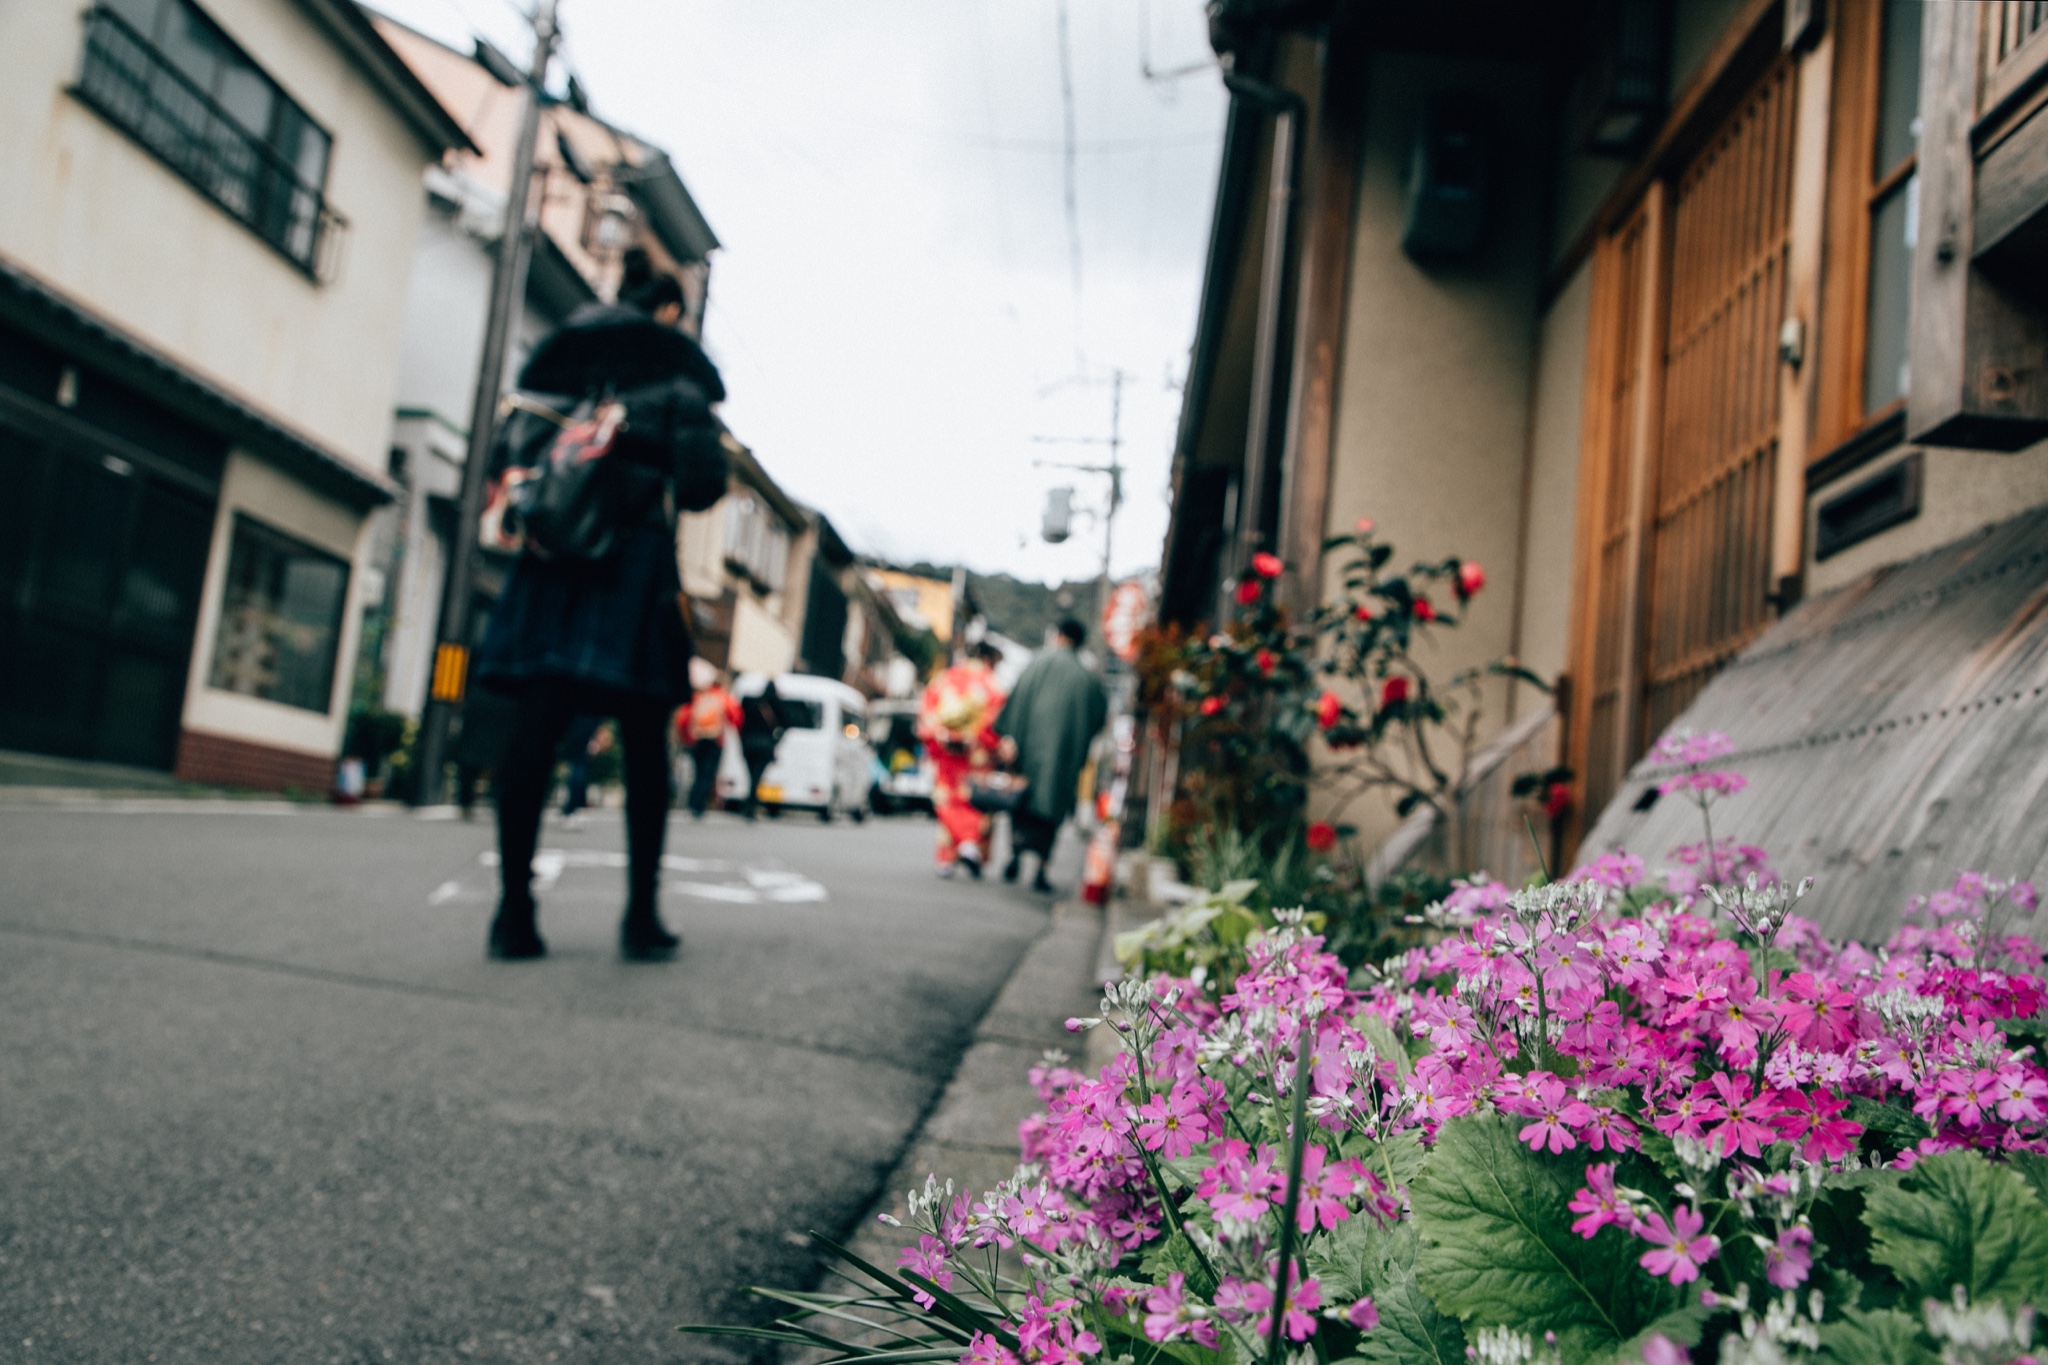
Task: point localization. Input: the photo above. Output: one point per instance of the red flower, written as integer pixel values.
(1264, 659)
(1557, 800)
(1266, 566)
(1423, 610)
(1322, 837)
(1211, 705)
(1363, 612)
(1248, 592)
(1365, 526)
(1328, 709)
(1394, 691)
(1471, 578)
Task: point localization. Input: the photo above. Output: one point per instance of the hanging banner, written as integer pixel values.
(1123, 616)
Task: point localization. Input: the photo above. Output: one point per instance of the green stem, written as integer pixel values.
(1297, 1144)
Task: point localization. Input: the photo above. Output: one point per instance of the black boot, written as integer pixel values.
(643, 937)
(1039, 883)
(1012, 867)
(514, 936)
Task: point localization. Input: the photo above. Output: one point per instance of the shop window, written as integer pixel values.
(280, 620)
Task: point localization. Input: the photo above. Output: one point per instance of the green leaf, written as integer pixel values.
(1498, 1248)
(1402, 1154)
(1956, 1219)
(1383, 1042)
(1176, 1253)
(1412, 1331)
(1883, 1337)
(1683, 1326)
(2033, 1168)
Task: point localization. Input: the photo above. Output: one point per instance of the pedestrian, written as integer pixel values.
(607, 635)
(955, 718)
(1046, 727)
(701, 727)
(480, 745)
(761, 725)
(579, 746)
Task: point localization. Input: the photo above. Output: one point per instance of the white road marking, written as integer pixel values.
(742, 885)
(445, 892)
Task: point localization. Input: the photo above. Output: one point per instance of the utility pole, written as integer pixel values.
(450, 680)
(1115, 470)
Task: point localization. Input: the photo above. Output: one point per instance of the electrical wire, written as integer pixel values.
(1072, 196)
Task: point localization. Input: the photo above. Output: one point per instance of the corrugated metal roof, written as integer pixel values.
(1893, 732)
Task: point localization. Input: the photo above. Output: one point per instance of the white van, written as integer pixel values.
(823, 762)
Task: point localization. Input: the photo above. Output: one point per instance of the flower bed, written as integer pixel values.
(1598, 1119)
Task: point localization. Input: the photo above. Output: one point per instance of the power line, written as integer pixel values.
(1068, 166)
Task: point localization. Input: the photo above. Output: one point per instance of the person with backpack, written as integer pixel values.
(762, 724)
(611, 436)
(701, 728)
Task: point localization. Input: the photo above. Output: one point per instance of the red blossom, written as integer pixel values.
(1471, 578)
(1266, 566)
(1248, 592)
(1328, 710)
(1211, 705)
(1363, 612)
(1264, 659)
(1322, 837)
(1394, 691)
(1423, 610)
(1557, 800)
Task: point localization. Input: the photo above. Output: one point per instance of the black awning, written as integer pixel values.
(45, 312)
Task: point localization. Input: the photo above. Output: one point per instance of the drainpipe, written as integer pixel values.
(1287, 110)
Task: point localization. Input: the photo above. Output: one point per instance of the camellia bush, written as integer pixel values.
(1607, 1118)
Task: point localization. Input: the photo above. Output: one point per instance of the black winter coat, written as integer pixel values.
(617, 628)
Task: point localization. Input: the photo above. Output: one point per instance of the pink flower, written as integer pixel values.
(1597, 1202)
(1423, 610)
(1789, 1260)
(1681, 1245)
(1166, 1314)
(927, 1259)
(2020, 1093)
(1241, 1299)
(1662, 1350)
(1266, 566)
(1471, 578)
(1820, 1014)
(1364, 1314)
(1745, 1125)
(1324, 1186)
(1556, 1110)
(984, 1349)
(1967, 1094)
(1175, 1125)
(1683, 746)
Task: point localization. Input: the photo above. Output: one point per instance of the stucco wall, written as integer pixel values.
(96, 215)
(1961, 491)
(250, 486)
(761, 643)
(1554, 479)
(1433, 387)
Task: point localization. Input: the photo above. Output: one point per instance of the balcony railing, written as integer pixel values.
(131, 84)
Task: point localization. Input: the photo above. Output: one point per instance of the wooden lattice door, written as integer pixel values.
(1681, 436)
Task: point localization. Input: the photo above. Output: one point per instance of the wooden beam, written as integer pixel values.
(1322, 300)
(1797, 380)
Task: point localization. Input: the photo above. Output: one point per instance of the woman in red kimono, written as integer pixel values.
(955, 720)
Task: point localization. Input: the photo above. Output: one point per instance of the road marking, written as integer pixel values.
(445, 892)
(739, 883)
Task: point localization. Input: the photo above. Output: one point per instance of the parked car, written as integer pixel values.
(823, 762)
(902, 771)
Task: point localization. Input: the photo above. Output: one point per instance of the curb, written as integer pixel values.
(970, 1135)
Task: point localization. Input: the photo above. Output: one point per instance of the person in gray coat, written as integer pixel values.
(1046, 726)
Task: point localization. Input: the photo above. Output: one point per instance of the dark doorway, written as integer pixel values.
(103, 551)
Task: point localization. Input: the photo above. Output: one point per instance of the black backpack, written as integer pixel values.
(570, 486)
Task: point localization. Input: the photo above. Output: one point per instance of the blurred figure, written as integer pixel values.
(579, 746)
(701, 727)
(1045, 730)
(608, 636)
(479, 751)
(762, 723)
(955, 720)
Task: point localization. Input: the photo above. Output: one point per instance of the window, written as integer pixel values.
(1894, 207)
(280, 619)
(166, 75)
(802, 715)
(755, 542)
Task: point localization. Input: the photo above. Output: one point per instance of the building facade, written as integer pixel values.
(200, 347)
(1672, 313)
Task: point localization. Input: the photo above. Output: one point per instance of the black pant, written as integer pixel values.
(545, 710)
(758, 759)
(1032, 833)
(704, 757)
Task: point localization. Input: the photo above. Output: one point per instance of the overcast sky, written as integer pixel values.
(894, 310)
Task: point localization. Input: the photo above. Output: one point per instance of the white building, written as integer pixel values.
(199, 334)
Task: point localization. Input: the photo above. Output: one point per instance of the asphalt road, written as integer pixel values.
(262, 1098)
